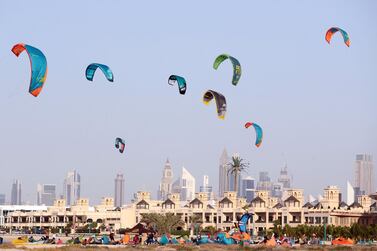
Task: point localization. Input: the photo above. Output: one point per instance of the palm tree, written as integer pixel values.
(163, 223)
(196, 222)
(236, 166)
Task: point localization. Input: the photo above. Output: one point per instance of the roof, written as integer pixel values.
(374, 205)
(211, 207)
(292, 198)
(168, 201)
(142, 202)
(23, 208)
(318, 205)
(356, 205)
(278, 205)
(225, 200)
(257, 199)
(308, 205)
(196, 200)
(343, 204)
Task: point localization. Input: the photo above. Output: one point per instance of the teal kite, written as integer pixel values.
(173, 79)
(236, 66)
(220, 102)
(91, 69)
(258, 131)
(38, 65)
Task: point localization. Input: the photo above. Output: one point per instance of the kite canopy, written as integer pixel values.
(38, 65)
(330, 32)
(220, 102)
(91, 69)
(258, 131)
(120, 144)
(174, 79)
(236, 66)
(242, 224)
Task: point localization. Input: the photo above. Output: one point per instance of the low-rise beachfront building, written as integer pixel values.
(221, 214)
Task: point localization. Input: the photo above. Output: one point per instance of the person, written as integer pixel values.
(112, 237)
(136, 239)
(59, 241)
(31, 239)
(150, 238)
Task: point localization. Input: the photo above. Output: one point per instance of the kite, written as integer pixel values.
(243, 222)
(119, 144)
(91, 69)
(236, 66)
(330, 32)
(258, 131)
(173, 79)
(220, 102)
(38, 65)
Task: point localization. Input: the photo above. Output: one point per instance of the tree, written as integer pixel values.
(163, 223)
(236, 166)
(196, 222)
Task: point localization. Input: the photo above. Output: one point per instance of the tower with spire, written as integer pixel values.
(284, 178)
(166, 182)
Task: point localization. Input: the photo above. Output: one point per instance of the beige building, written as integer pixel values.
(222, 213)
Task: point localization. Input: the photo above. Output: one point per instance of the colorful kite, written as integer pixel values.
(236, 66)
(119, 144)
(220, 102)
(91, 69)
(174, 79)
(258, 131)
(333, 30)
(242, 224)
(38, 65)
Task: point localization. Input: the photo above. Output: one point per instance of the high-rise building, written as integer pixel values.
(206, 188)
(46, 194)
(350, 194)
(166, 182)
(277, 190)
(248, 188)
(231, 179)
(264, 182)
(223, 173)
(16, 193)
(364, 176)
(72, 187)
(119, 190)
(2, 199)
(284, 178)
(187, 184)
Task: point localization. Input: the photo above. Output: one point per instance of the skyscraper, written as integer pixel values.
(72, 187)
(187, 183)
(364, 176)
(264, 182)
(46, 194)
(248, 188)
(166, 182)
(223, 173)
(350, 194)
(277, 190)
(119, 190)
(284, 178)
(206, 188)
(16, 193)
(231, 183)
(2, 199)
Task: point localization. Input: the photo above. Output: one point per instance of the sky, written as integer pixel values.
(315, 102)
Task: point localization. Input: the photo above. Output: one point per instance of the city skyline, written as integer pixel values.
(75, 179)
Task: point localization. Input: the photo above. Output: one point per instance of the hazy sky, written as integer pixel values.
(316, 102)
